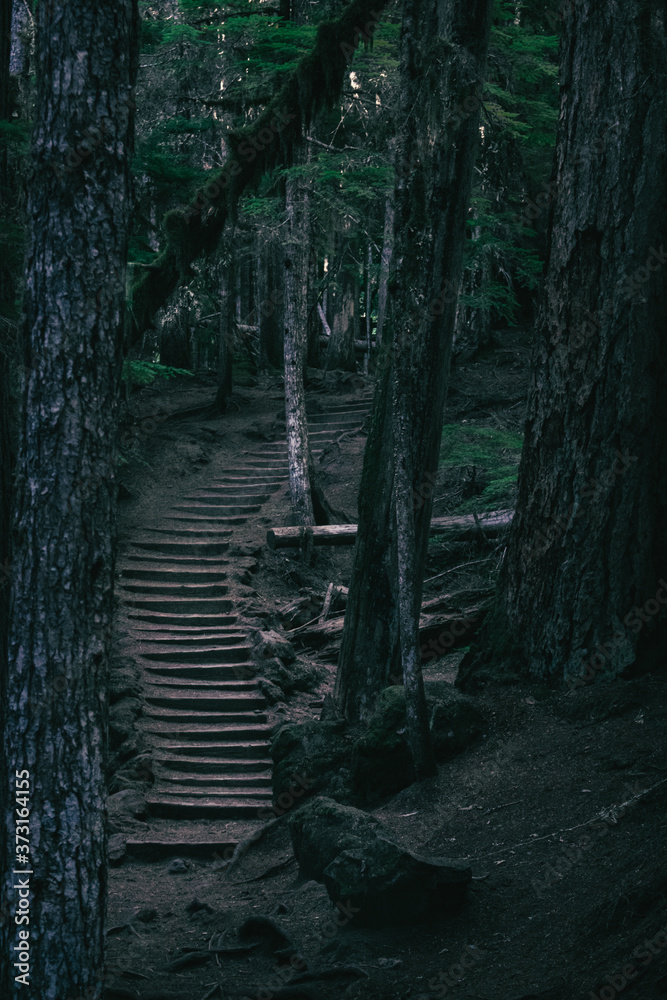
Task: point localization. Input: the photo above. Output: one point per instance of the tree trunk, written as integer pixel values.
(295, 352)
(340, 352)
(588, 545)
(271, 304)
(79, 211)
(432, 194)
(409, 581)
(385, 265)
(368, 297)
(225, 341)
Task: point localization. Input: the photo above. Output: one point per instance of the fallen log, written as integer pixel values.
(437, 633)
(459, 526)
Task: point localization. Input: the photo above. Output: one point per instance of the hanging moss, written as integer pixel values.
(253, 151)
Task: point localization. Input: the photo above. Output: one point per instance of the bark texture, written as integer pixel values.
(443, 56)
(295, 353)
(64, 516)
(588, 543)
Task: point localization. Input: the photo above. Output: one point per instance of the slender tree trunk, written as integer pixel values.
(340, 352)
(409, 583)
(385, 265)
(432, 195)
(225, 341)
(369, 291)
(295, 352)
(588, 544)
(79, 202)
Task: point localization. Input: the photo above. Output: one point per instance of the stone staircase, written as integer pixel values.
(205, 716)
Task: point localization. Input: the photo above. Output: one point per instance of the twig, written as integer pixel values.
(503, 805)
(207, 996)
(453, 569)
(568, 829)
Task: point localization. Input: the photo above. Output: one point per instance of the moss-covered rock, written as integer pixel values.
(316, 752)
(298, 675)
(381, 883)
(382, 763)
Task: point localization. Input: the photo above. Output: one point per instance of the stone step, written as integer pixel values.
(232, 783)
(216, 506)
(221, 764)
(194, 519)
(189, 549)
(183, 620)
(222, 494)
(221, 753)
(181, 605)
(182, 716)
(198, 656)
(169, 574)
(263, 465)
(229, 685)
(159, 560)
(249, 477)
(205, 639)
(215, 732)
(187, 698)
(158, 848)
(174, 589)
(204, 671)
(226, 793)
(182, 807)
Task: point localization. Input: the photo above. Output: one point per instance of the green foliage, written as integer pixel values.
(145, 372)
(495, 454)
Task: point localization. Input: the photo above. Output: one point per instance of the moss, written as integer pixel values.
(495, 455)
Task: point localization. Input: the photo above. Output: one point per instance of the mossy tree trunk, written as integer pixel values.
(225, 342)
(296, 280)
(443, 55)
(588, 544)
(78, 211)
(340, 349)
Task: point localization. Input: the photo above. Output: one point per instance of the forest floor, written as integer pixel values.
(559, 808)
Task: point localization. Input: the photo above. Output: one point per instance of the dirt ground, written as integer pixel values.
(559, 808)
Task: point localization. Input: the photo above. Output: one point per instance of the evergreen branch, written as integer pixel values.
(269, 142)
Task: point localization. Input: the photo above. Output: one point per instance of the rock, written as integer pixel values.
(280, 908)
(116, 849)
(313, 750)
(196, 906)
(177, 865)
(146, 915)
(383, 765)
(298, 676)
(269, 644)
(123, 679)
(271, 692)
(267, 930)
(122, 721)
(128, 804)
(380, 883)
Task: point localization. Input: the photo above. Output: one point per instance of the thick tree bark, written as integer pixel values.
(588, 546)
(78, 211)
(295, 352)
(443, 56)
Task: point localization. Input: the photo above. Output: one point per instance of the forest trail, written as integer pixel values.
(205, 718)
